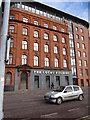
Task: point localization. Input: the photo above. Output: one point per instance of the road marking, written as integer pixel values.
(85, 117)
(82, 118)
(73, 109)
(47, 115)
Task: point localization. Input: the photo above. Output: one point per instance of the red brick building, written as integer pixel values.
(40, 48)
(81, 46)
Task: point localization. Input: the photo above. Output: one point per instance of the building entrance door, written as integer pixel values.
(57, 81)
(75, 81)
(36, 82)
(66, 80)
(24, 80)
(47, 81)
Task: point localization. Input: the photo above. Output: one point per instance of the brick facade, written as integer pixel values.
(28, 75)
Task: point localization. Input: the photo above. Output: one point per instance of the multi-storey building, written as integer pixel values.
(44, 48)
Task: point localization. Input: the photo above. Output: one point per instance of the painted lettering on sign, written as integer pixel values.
(50, 72)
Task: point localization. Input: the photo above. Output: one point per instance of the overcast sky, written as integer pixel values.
(79, 9)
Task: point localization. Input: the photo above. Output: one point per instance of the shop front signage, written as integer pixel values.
(50, 72)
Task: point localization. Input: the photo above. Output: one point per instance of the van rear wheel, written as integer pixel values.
(59, 101)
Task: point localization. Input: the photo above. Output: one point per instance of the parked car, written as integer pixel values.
(69, 92)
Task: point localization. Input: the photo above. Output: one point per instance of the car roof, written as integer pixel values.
(72, 85)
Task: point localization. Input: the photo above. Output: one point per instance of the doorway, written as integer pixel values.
(57, 81)
(24, 80)
(47, 81)
(36, 82)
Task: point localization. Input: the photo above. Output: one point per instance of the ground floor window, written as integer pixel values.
(47, 81)
(75, 81)
(57, 81)
(36, 81)
(87, 82)
(24, 80)
(8, 78)
(82, 82)
(66, 80)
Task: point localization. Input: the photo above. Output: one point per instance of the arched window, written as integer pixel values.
(35, 61)
(11, 29)
(24, 44)
(83, 46)
(55, 37)
(56, 62)
(24, 59)
(64, 51)
(8, 78)
(46, 36)
(35, 46)
(46, 48)
(12, 17)
(10, 59)
(63, 40)
(55, 49)
(11, 42)
(47, 62)
(65, 63)
(36, 34)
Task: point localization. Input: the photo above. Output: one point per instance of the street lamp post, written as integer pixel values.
(2, 53)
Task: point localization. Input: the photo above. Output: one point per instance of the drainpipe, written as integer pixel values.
(2, 53)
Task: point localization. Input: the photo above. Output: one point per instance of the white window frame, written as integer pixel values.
(65, 63)
(11, 29)
(76, 29)
(83, 46)
(78, 45)
(63, 30)
(55, 37)
(56, 62)
(24, 59)
(64, 51)
(79, 53)
(55, 49)
(80, 63)
(63, 40)
(36, 60)
(24, 45)
(10, 59)
(77, 36)
(46, 62)
(82, 38)
(81, 30)
(25, 31)
(84, 54)
(36, 33)
(12, 17)
(46, 48)
(54, 27)
(81, 72)
(45, 25)
(35, 46)
(46, 36)
(11, 43)
(35, 22)
(85, 63)
(25, 20)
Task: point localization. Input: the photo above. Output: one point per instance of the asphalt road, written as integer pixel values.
(26, 105)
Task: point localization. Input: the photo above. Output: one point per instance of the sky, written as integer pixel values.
(78, 9)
